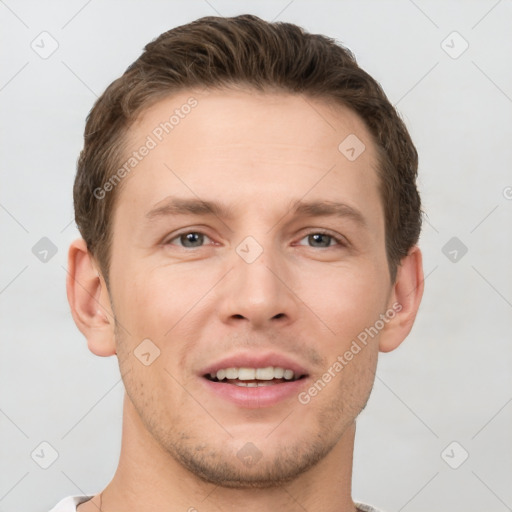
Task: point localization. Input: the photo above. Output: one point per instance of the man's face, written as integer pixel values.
(262, 281)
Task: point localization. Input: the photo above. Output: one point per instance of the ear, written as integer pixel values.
(404, 301)
(89, 300)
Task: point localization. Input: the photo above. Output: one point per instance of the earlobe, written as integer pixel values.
(89, 300)
(405, 300)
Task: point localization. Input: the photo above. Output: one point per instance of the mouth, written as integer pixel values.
(254, 380)
(254, 377)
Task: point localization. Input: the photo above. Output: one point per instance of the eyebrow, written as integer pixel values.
(180, 206)
(328, 209)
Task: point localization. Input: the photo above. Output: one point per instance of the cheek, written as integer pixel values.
(151, 300)
(346, 300)
(167, 306)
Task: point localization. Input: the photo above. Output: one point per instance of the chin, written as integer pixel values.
(250, 468)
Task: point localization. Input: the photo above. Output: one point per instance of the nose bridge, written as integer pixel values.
(255, 289)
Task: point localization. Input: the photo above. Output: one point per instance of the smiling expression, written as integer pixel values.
(245, 239)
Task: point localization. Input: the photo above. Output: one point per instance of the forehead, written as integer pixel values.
(249, 145)
(227, 117)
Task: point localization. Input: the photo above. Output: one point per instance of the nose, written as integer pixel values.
(258, 293)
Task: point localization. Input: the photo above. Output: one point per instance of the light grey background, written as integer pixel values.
(450, 381)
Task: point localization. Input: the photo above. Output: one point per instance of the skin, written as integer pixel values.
(304, 297)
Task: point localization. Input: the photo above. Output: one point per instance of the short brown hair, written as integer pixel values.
(215, 52)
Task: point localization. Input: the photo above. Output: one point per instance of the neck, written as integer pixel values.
(149, 478)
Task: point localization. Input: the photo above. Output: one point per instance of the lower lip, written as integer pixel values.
(255, 397)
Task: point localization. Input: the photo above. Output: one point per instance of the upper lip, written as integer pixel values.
(256, 360)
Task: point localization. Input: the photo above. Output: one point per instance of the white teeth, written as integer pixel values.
(264, 374)
(245, 374)
(278, 373)
(231, 373)
(253, 384)
(288, 374)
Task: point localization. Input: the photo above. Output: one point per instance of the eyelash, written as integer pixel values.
(341, 242)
